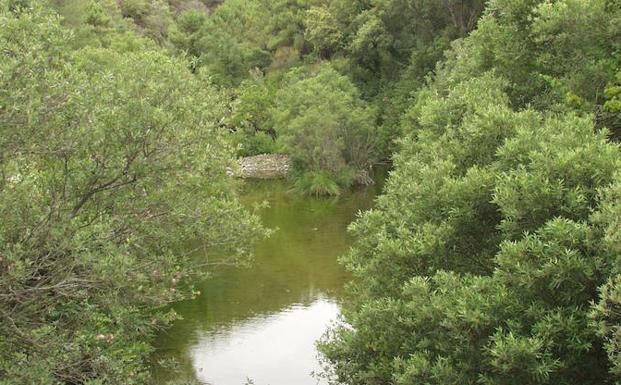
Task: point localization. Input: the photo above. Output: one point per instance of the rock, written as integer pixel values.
(264, 166)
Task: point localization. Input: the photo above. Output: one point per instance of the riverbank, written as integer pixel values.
(277, 166)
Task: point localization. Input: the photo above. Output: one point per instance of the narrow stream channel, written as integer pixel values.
(261, 323)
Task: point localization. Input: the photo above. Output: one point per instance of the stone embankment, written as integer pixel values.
(276, 166)
(264, 166)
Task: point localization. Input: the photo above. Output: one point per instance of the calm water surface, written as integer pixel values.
(261, 323)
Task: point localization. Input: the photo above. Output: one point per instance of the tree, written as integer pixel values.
(241, 36)
(572, 46)
(480, 262)
(251, 117)
(106, 174)
(322, 31)
(325, 127)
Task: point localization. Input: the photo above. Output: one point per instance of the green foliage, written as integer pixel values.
(572, 45)
(322, 31)
(437, 212)
(608, 323)
(324, 126)
(255, 144)
(612, 107)
(492, 256)
(605, 313)
(481, 260)
(318, 183)
(135, 9)
(105, 172)
(241, 36)
(251, 111)
(388, 47)
(379, 37)
(153, 19)
(224, 43)
(251, 118)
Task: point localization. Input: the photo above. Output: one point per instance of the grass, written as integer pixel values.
(317, 183)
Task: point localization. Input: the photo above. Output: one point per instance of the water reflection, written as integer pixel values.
(238, 353)
(262, 322)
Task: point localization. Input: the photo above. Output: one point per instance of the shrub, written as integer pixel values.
(317, 183)
(324, 125)
(482, 259)
(109, 163)
(259, 143)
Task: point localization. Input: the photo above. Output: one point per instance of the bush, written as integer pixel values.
(482, 259)
(317, 183)
(109, 164)
(324, 125)
(259, 143)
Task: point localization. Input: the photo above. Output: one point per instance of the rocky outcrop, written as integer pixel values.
(264, 166)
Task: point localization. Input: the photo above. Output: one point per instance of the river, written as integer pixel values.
(259, 325)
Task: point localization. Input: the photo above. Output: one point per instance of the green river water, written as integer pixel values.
(261, 323)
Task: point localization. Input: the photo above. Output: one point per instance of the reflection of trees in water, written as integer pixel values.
(296, 265)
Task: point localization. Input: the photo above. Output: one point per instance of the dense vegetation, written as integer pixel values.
(356, 62)
(492, 257)
(111, 160)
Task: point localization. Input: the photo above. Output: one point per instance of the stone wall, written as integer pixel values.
(265, 166)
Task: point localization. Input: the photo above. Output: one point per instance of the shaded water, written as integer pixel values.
(261, 323)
